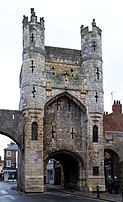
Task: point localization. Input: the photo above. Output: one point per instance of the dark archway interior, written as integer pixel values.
(70, 166)
(111, 163)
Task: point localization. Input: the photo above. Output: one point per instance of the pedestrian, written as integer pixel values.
(110, 184)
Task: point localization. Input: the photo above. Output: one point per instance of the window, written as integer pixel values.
(8, 163)
(8, 153)
(95, 170)
(97, 73)
(34, 131)
(95, 133)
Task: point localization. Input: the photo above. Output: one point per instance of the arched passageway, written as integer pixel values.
(111, 163)
(12, 126)
(67, 169)
(65, 125)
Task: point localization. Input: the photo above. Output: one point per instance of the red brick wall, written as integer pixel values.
(113, 121)
(12, 158)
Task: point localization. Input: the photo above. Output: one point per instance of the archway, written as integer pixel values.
(111, 164)
(65, 126)
(66, 169)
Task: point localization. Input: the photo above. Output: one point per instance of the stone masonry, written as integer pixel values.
(61, 90)
(61, 110)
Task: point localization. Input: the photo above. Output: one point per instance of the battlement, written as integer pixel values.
(33, 19)
(95, 30)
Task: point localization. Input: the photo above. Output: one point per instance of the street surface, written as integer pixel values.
(8, 193)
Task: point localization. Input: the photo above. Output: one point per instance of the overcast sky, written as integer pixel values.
(63, 19)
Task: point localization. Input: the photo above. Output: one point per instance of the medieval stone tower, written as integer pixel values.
(61, 99)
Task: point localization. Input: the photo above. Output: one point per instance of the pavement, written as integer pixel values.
(105, 196)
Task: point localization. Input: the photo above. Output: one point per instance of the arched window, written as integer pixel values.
(95, 133)
(34, 131)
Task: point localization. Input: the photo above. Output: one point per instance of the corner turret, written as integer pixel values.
(31, 86)
(91, 66)
(31, 30)
(91, 42)
(95, 30)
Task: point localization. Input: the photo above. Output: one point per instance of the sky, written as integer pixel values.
(63, 19)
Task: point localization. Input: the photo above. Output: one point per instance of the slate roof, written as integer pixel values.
(11, 147)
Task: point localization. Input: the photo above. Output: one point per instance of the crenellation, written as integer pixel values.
(42, 22)
(84, 30)
(95, 32)
(25, 20)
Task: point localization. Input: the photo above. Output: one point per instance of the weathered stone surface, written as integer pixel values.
(65, 113)
(11, 124)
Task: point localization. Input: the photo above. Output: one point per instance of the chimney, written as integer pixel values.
(117, 107)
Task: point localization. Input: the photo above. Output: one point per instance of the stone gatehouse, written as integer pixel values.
(60, 113)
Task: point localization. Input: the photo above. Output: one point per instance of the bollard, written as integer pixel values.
(98, 193)
(71, 187)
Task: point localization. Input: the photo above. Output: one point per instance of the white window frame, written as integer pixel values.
(8, 163)
(8, 153)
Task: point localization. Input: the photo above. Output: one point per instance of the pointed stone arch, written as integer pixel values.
(65, 125)
(71, 97)
(73, 167)
(11, 125)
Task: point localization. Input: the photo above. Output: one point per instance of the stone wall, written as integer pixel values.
(11, 125)
(61, 90)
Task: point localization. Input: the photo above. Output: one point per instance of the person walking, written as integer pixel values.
(110, 184)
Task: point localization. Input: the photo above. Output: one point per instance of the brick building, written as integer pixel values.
(1, 168)
(114, 120)
(10, 162)
(113, 131)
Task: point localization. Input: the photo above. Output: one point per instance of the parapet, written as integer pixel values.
(95, 30)
(33, 19)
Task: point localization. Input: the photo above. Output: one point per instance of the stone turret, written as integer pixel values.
(32, 96)
(91, 57)
(31, 81)
(91, 67)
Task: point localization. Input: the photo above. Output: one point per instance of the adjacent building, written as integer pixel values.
(113, 132)
(1, 168)
(10, 162)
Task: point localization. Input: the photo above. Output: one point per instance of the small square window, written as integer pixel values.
(95, 170)
(8, 153)
(8, 163)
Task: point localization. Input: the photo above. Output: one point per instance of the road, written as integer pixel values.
(8, 193)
